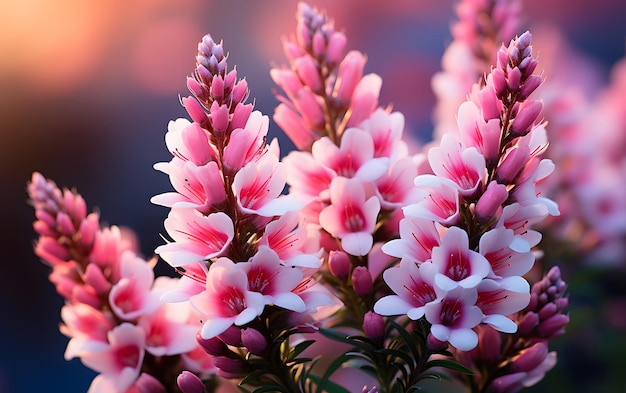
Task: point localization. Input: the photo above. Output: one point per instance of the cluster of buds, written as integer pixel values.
(114, 318)
(325, 91)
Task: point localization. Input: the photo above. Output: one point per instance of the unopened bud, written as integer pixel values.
(253, 340)
(529, 358)
(491, 200)
(525, 118)
(213, 346)
(339, 264)
(232, 336)
(513, 164)
(529, 322)
(374, 326)
(190, 383)
(553, 326)
(361, 280)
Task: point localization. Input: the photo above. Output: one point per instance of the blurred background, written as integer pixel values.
(87, 88)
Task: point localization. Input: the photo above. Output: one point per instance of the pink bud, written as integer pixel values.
(529, 86)
(190, 383)
(529, 322)
(512, 165)
(287, 80)
(508, 383)
(547, 311)
(253, 340)
(349, 74)
(374, 326)
(228, 365)
(213, 346)
(293, 125)
(553, 326)
(240, 117)
(491, 200)
(434, 344)
(230, 79)
(194, 109)
(146, 383)
(488, 104)
(525, 118)
(319, 44)
(361, 280)
(336, 45)
(308, 72)
(292, 51)
(240, 91)
(232, 336)
(499, 82)
(219, 117)
(489, 343)
(217, 88)
(306, 102)
(514, 76)
(194, 87)
(94, 277)
(339, 264)
(529, 358)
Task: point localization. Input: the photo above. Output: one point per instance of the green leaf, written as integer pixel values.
(271, 388)
(298, 349)
(249, 379)
(450, 365)
(328, 386)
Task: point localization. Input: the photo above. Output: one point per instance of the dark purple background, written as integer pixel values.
(87, 89)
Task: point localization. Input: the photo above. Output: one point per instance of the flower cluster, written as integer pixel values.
(411, 264)
(113, 314)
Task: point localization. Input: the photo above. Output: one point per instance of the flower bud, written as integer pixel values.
(529, 358)
(213, 346)
(529, 322)
(434, 344)
(553, 326)
(309, 73)
(507, 383)
(525, 118)
(336, 45)
(374, 326)
(339, 264)
(349, 74)
(253, 340)
(513, 164)
(229, 365)
(194, 109)
(190, 383)
(361, 280)
(232, 336)
(219, 117)
(491, 200)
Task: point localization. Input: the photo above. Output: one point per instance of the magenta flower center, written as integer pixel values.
(127, 356)
(451, 311)
(234, 302)
(421, 292)
(353, 218)
(458, 266)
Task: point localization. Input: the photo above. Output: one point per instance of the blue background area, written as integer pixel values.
(103, 135)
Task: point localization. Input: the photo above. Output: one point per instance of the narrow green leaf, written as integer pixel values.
(450, 365)
(328, 386)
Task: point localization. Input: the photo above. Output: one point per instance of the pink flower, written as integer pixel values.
(495, 244)
(386, 130)
(500, 298)
(438, 200)
(119, 360)
(258, 186)
(274, 281)
(168, 331)
(83, 323)
(196, 237)
(464, 166)
(454, 316)
(353, 158)
(288, 240)
(246, 144)
(417, 239)
(414, 288)
(350, 217)
(456, 264)
(131, 296)
(226, 299)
